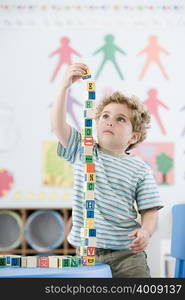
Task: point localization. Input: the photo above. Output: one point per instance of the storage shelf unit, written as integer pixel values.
(24, 249)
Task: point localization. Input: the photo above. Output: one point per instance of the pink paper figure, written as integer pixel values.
(153, 51)
(64, 52)
(152, 103)
(183, 132)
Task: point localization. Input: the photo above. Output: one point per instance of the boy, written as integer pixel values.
(121, 179)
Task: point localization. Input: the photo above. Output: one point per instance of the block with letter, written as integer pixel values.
(89, 222)
(53, 261)
(88, 123)
(88, 213)
(88, 150)
(2, 261)
(32, 261)
(90, 177)
(89, 195)
(91, 251)
(43, 262)
(89, 204)
(88, 141)
(89, 113)
(23, 261)
(86, 74)
(89, 168)
(91, 86)
(88, 158)
(92, 95)
(90, 260)
(90, 104)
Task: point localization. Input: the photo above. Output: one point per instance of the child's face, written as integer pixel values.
(114, 128)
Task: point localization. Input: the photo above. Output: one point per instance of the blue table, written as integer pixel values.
(99, 270)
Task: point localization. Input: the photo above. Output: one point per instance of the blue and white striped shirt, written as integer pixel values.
(120, 181)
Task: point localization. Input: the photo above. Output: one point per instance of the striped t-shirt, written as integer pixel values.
(120, 181)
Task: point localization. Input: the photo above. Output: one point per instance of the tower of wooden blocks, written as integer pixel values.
(88, 231)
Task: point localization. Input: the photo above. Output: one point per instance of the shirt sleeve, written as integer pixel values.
(147, 194)
(72, 151)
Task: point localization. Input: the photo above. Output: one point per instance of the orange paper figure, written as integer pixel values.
(153, 51)
(64, 52)
(152, 103)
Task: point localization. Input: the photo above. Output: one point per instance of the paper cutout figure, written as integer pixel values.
(152, 103)
(6, 182)
(183, 132)
(64, 52)
(153, 51)
(160, 156)
(109, 50)
(56, 170)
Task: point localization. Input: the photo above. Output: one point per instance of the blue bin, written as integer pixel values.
(44, 230)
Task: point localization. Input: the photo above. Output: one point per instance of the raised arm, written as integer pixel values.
(58, 109)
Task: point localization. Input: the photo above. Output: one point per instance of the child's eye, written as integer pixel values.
(121, 119)
(105, 116)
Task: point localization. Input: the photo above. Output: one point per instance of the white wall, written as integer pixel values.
(28, 36)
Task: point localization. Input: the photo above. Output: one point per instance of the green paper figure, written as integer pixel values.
(109, 50)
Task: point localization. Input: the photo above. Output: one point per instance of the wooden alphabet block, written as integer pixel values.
(89, 222)
(64, 261)
(88, 213)
(89, 204)
(89, 195)
(88, 141)
(91, 86)
(92, 242)
(90, 260)
(83, 251)
(90, 186)
(53, 261)
(88, 150)
(88, 158)
(23, 261)
(89, 104)
(88, 123)
(89, 168)
(43, 262)
(84, 260)
(91, 251)
(16, 261)
(91, 177)
(89, 113)
(32, 261)
(92, 95)
(2, 261)
(86, 74)
(88, 131)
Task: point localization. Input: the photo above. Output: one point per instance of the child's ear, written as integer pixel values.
(135, 137)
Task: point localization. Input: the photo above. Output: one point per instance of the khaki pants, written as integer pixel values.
(123, 263)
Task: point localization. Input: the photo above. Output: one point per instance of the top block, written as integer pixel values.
(86, 74)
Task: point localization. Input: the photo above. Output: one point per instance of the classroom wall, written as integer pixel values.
(30, 33)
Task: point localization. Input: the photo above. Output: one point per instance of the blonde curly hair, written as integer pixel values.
(140, 117)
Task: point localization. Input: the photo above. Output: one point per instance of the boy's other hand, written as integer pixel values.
(73, 73)
(140, 242)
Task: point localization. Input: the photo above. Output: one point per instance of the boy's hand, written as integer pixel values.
(140, 243)
(73, 73)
